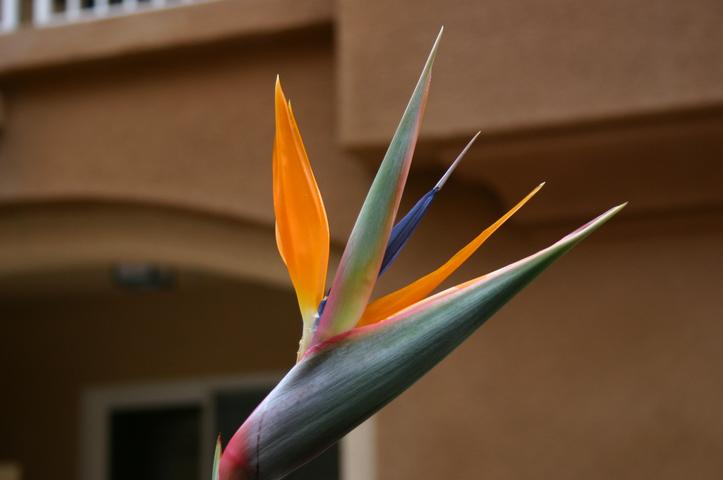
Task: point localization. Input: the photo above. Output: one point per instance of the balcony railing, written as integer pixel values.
(9, 15)
(54, 12)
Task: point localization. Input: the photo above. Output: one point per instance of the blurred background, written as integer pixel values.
(143, 306)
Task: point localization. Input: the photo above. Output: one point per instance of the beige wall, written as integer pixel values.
(184, 129)
(153, 144)
(607, 367)
(605, 101)
(498, 62)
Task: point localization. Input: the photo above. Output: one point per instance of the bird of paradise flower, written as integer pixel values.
(355, 356)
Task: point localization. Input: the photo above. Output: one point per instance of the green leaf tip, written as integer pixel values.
(362, 258)
(216, 459)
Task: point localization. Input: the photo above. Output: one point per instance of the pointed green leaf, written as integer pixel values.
(359, 266)
(340, 383)
(216, 458)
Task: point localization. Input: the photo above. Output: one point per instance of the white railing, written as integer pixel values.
(46, 12)
(9, 15)
(53, 12)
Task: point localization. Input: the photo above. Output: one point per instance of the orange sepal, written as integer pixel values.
(392, 303)
(302, 229)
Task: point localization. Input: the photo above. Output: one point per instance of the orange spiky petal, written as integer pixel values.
(302, 229)
(421, 288)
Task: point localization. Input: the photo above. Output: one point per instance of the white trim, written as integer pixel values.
(72, 10)
(130, 6)
(10, 15)
(358, 448)
(100, 8)
(42, 11)
(359, 454)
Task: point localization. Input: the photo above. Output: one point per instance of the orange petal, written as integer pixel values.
(421, 288)
(302, 230)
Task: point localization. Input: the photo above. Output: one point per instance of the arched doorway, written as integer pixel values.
(106, 297)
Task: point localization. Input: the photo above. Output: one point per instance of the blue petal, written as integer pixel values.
(403, 230)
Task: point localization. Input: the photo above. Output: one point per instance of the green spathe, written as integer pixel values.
(359, 266)
(342, 382)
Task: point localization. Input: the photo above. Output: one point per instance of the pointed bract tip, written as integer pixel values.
(601, 219)
(614, 210)
(459, 158)
(216, 459)
(597, 221)
(436, 44)
(426, 74)
(279, 92)
(426, 71)
(604, 217)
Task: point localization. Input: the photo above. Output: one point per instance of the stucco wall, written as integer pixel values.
(607, 367)
(189, 129)
(529, 64)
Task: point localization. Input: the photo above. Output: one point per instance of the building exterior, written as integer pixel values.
(137, 135)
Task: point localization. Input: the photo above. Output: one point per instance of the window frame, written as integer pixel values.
(357, 449)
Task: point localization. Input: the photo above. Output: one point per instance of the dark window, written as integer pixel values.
(164, 443)
(155, 444)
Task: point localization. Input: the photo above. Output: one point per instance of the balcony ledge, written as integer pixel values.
(33, 48)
